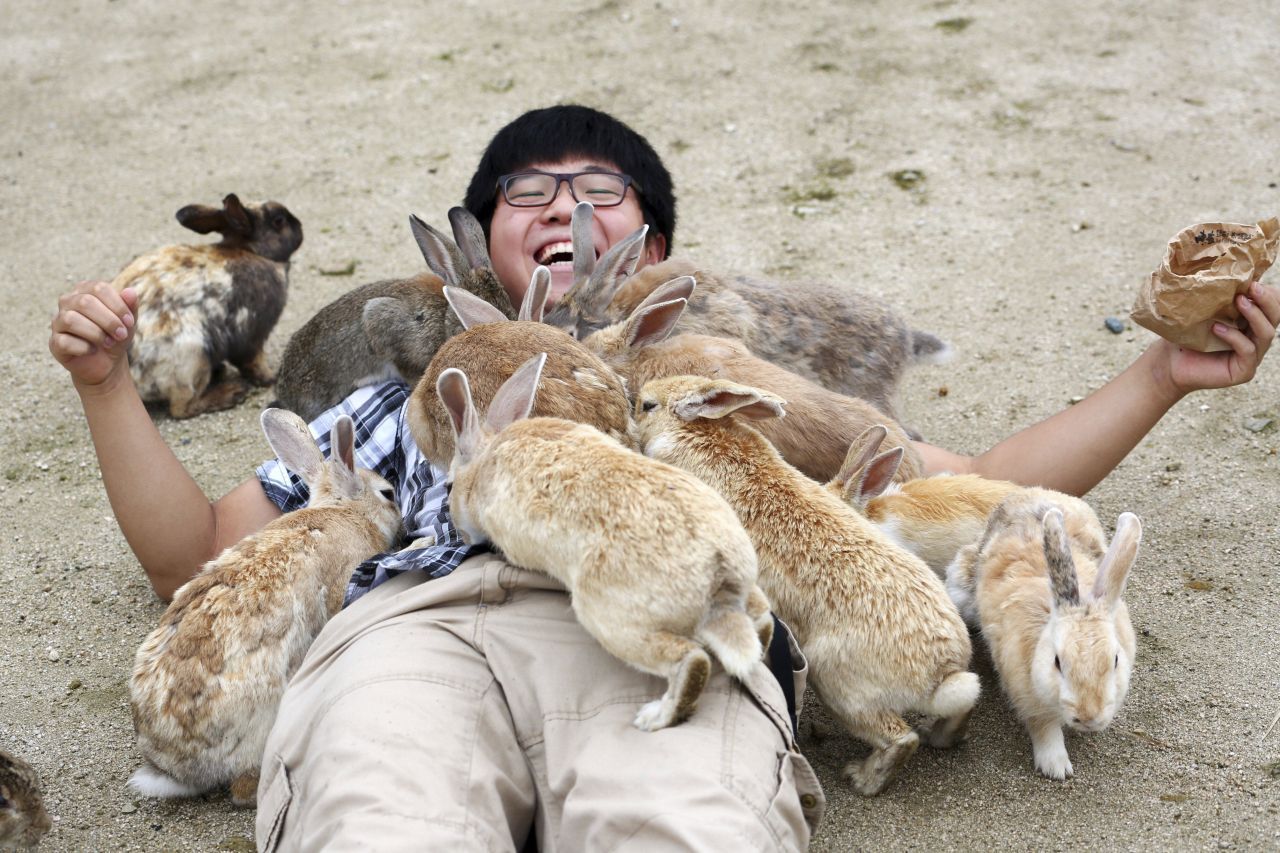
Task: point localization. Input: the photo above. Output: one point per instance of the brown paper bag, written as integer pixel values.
(1204, 268)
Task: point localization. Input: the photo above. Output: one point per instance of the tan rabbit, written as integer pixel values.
(843, 340)
(1047, 599)
(207, 682)
(23, 819)
(576, 384)
(658, 568)
(820, 424)
(881, 636)
(932, 517)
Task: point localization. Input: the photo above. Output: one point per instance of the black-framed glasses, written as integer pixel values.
(538, 189)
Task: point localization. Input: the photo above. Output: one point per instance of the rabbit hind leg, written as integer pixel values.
(244, 789)
(685, 665)
(892, 741)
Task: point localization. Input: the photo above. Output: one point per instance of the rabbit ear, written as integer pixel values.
(1113, 571)
(292, 441)
(653, 324)
(455, 393)
(469, 235)
(237, 218)
(680, 287)
(442, 257)
(614, 267)
(342, 457)
(471, 309)
(718, 399)
(535, 297)
(878, 474)
(514, 400)
(860, 452)
(584, 250)
(1057, 553)
(201, 218)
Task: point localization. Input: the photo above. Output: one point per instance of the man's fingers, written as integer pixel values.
(1262, 309)
(90, 321)
(67, 347)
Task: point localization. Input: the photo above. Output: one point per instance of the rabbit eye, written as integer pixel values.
(1057, 664)
(277, 222)
(420, 316)
(648, 405)
(388, 494)
(1116, 663)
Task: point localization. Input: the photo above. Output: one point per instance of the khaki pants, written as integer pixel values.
(460, 713)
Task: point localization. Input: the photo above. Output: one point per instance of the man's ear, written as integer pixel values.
(655, 249)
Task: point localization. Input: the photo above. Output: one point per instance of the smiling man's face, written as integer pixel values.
(522, 238)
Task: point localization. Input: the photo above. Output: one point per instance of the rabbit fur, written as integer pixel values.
(205, 305)
(1045, 589)
(932, 517)
(576, 385)
(207, 682)
(881, 636)
(387, 329)
(23, 818)
(658, 568)
(843, 340)
(820, 424)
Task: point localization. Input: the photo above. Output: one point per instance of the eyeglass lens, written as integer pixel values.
(535, 189)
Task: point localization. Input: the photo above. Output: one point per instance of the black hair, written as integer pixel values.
(568, 130)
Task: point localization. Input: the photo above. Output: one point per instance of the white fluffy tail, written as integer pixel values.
(957, 694)
(731, 637)
(150, 781)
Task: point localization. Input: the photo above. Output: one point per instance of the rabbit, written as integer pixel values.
(200, 306)
(845, 341)
(668, 577)
(1045, 589)
(23, 819)
(820, 424)
(576, 385)
(207, 682)
(880, 633)
(932, 517)
(386, 330)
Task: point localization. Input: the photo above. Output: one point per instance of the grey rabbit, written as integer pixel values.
(205, 305)
(388, 329)
(844, 340)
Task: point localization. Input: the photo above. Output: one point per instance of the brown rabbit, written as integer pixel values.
(932, 517)
(881, 636)
(23, 819)
(202, 306)
(207, 682)
(576, 385)
(820, 424)
(845, 341)
(669, 577)
(387, 329)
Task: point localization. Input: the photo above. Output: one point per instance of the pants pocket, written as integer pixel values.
(799, 804)
(275, 793)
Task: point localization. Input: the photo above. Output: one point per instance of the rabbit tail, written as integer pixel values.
(956, 695)
(150, 781)
(729, 633)
(928, 348)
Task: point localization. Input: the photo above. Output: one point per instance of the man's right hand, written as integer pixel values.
(91, 332)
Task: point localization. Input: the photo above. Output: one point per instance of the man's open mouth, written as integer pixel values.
(554, 253)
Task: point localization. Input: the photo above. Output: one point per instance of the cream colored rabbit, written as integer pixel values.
(880, 634)
(932, 517)
(820, 424)
(207, 682)
(1047, 599)
(658, 568)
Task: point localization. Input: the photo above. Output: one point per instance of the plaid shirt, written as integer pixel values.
(384, 444)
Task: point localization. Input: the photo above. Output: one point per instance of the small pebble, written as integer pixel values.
(53, 654)
(1257, 424)
(1114, 325)
(128, 808)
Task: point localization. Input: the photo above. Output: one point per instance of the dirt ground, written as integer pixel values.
(1005, 173)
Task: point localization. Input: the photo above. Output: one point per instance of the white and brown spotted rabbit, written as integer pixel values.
(204, 306)
(207, 682)
(23, 819)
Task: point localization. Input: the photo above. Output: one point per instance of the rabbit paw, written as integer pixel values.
(1051, 755)
(655, 715)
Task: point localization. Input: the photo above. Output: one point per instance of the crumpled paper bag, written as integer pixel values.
(1204, 268)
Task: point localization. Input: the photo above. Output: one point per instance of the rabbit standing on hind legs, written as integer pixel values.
(658, 568)
(207, 682)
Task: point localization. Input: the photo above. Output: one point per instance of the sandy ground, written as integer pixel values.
(1057, 151)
